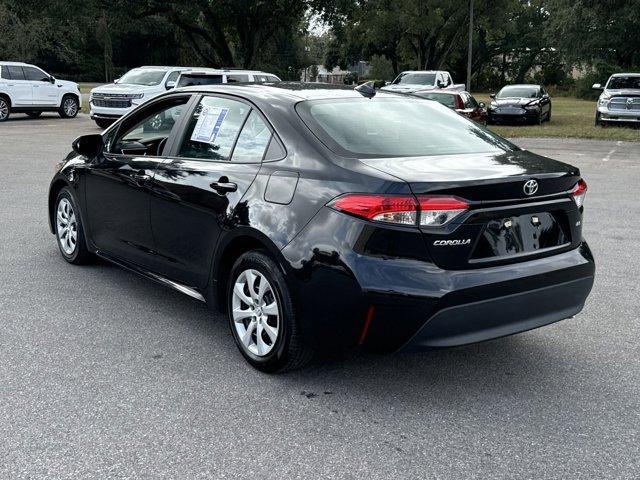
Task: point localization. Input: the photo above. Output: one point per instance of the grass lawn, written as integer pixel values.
(570, 117)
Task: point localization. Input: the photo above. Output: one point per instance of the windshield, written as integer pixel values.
(191, 80)
(518, 92)
(443, 98)
(619, 83)
(395, 127)
(145, 76)
(415, 79)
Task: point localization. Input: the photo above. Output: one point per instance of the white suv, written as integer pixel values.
(110, 102)
(28, 89)
(214, 76)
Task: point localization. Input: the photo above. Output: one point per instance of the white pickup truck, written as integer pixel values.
(414, 80)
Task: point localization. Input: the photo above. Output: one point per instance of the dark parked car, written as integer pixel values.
(318, 218)
(520, 104)
(461, 102)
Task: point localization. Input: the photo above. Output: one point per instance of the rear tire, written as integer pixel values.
(69, 230)
(262, 317)
(5, 109)
(102, 123)
(34, 114)
(69, 107)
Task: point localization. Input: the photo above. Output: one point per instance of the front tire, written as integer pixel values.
(262, 316)
(69, 107)
(598, 122)
(69, 230)
(5, 109)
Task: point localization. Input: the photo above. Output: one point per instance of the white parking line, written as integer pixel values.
(608, 157)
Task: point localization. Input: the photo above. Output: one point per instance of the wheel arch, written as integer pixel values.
(230, 248)
(7, 97)
(67, 94)
(57, 185)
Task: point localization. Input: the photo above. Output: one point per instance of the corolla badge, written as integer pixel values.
(530, 187)
(441, 243)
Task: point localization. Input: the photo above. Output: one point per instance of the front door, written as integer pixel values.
(45, 93)
(197, 193)
(118, 184)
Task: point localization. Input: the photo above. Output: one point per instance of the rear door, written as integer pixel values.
(19, 87)
(45, 93)
(197, 192)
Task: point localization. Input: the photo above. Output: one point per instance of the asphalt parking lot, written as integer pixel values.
(104, 374)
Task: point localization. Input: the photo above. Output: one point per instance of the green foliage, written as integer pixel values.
(381, 68)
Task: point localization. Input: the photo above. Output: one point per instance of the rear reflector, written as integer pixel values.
(579, 192)
(433, 211)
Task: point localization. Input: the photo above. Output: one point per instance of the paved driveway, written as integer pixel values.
(107, 375)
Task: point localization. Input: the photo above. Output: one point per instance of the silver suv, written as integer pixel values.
(619, 101)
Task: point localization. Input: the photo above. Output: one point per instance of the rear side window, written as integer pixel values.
(237, 78)
(213, 129)
(4, 73)
(15, 73)
(443, 98)
(253, 140)
(272, 78)
(35, 74)
(173, 76)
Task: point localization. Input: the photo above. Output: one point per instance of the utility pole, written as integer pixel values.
(470, 45)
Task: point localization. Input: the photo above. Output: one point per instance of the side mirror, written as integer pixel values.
(387, 83)
(493, 96)
(440, 84)
(597, 86)
(482, 105)
(89, 146)
(52, 79)
(116, 80)
(170, 84)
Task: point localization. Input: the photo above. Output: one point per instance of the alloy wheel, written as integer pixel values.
(255, 311)
(70, 107)
(4, 109)
(67, 226)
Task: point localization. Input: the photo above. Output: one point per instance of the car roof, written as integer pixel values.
(285, 91)
(422, 71)
(522, 85)
(160, 67)
(16, 64)
(626, 75)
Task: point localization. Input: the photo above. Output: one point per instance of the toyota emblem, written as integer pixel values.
(530, 187)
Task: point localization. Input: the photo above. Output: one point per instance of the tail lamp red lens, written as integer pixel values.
(423, 210)
(579, 192)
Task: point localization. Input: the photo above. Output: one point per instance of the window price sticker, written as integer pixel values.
(209, 124)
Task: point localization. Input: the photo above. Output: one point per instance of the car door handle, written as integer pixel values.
(224, 186)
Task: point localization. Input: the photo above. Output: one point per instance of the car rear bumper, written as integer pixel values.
(501, 316)
(348, 295)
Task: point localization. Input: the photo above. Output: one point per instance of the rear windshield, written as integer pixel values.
(518, 92)
(191, 80)
(443, 98)
(144, 76)
(395, 127)
(619, 83)
(415, 79)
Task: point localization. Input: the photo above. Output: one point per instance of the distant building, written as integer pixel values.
(335, 76)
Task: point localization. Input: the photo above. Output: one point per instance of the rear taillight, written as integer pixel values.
(425, 210)
(438, 211)
(579, 192)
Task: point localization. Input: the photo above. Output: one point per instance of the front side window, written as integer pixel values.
(35, 74)
(395, 127)
(213, 129)
(147, 133)
(143, 76)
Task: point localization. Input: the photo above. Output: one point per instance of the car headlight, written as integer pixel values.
(493, 106)
(603, 101)
(532, 106)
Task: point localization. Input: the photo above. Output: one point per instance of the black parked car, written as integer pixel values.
(520, 104)
(318, 218)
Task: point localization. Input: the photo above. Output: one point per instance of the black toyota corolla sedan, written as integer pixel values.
(520, 104)
(319, 218)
